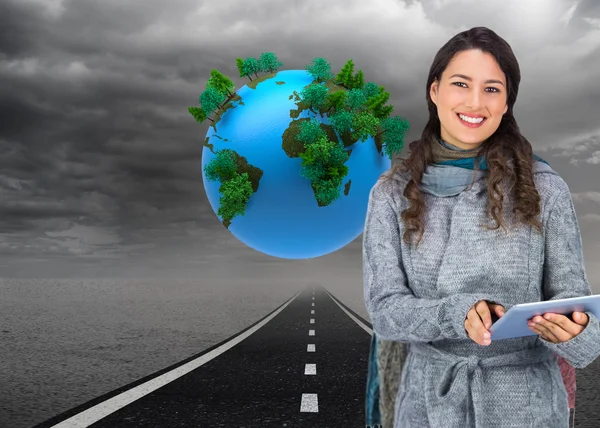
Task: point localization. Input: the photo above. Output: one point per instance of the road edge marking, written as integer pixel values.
(101, 410)
(355, 319)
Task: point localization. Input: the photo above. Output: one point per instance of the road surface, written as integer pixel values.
(303, 365)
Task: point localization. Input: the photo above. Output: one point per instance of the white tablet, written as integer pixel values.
(514, 322)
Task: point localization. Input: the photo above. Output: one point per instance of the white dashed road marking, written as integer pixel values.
(310, 403)
(310, 369)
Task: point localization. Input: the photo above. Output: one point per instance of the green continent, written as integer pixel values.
(239, 180)
(253, 84)
(322, 161)
(324, 167)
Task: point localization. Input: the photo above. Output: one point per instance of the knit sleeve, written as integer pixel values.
(565, 277)
(396, 313)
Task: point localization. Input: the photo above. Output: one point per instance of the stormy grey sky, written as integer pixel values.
(100, 160)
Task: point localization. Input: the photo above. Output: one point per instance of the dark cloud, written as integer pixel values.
(100, 161)
(20, 30)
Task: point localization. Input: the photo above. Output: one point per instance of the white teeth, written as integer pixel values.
(470, 119)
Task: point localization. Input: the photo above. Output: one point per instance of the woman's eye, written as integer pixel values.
(490, 89)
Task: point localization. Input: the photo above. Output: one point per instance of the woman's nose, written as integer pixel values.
(474, 99)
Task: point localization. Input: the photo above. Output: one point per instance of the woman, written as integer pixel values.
(470, 224)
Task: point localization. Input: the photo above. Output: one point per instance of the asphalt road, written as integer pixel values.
(306, 367)
(303, 365)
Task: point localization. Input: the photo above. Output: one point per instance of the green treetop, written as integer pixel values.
(376, 104)
(326, 191)
(269, 62)
(320, 69)
(251, 66)
(218, 91)
(323, 164)
(210, 100)
(358, 81)
(341, 121)
(314, 96)
(364, 125)
(239, 62)
(344, 77)
(355, 100)
(198, 114)
(370, 89)
(220, 82)
(394, 130)
(222, 167)
(347, 78)
(235, 188)
(235, 194)
(310, 131)
(335, 100)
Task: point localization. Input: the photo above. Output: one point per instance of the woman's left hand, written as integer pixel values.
(558, 328)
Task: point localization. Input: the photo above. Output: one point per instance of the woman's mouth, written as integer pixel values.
(471, 122)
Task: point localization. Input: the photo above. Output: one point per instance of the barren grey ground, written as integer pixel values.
(67, 342)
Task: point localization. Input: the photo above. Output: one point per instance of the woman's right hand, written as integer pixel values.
(479, 321)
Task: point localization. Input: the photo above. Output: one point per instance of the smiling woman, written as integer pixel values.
(437, 293)
(470, 98)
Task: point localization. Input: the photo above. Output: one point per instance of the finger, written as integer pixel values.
(499, 310)
(469, 329)
(580, 318)
(542, 332)
(552, 330)
(480, 333)
(473, 333)
(564, 323)
(557, 330)
(483, 310)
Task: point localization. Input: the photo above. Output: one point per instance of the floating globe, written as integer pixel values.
(283, 217)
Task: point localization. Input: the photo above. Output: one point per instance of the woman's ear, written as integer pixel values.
(433, 91)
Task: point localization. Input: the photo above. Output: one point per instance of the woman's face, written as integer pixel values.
(472, 88)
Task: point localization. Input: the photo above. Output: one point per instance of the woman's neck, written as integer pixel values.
(443, 151)
(452, 146)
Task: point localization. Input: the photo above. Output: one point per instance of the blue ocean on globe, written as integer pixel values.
(283, 218)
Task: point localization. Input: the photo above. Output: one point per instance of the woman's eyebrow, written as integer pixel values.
(462, 76)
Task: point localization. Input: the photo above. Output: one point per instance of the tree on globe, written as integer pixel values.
(290, 157)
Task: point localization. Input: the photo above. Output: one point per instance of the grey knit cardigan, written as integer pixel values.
(421, 295)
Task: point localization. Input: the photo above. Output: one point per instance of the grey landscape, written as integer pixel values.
(67, 341)
(113, 263)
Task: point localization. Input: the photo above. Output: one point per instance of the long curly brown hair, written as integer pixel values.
(505, 144)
